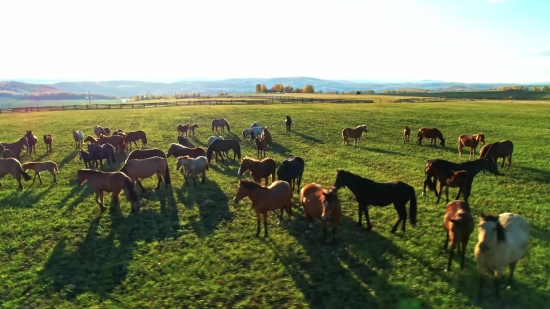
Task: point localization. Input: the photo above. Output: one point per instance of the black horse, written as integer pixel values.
(291, 171)
(368, 192)
(288, 123)
(184, 141)
(224, 145)
(105, 151)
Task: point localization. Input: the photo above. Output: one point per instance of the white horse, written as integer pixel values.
(78, 138)
(256, 132)
(190, 166)
(502, 241)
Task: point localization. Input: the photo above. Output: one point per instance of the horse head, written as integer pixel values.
(491, 232)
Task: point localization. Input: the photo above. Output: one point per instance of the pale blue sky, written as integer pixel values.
(451, 40)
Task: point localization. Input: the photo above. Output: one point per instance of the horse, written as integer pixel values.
(2, 148)
(193, 166)
(277, 196)
(88, 162)
(211, 139)
(254, 124)
(353, 133)
(146, 153)
(224, 145)
(186, 128)
(291, 171)
(256, 131)
(48, 140)
(78, 138)
(502, 240)
(459, 225)
(38, 167)
(13, 167)
(472, 167)
(454, 179)
(7, 153)
(107, 131)
(258, 169)
(266, 136)
(432, 133)
(115, 140)
(406, 134)
(114, 182)
(32, 139)
(470, 141)
(502, 149)
(261, 145)
(368, 192)
(90, 139)
(119, 132)
(288, 123)
(184, 141)
(98, 130)
(132, 137)
(145, 168)
(220, 123)
(177, 150)
(17, 147)
(321, 204)
(100, 152)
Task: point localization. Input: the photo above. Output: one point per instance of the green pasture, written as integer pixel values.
(193, 248)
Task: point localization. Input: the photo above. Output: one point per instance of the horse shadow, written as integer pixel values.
(70, 157)
(25, 198)
(540, 233)
(530, 174)
(384, 151)
(278, 148)
(225, 169)
(308, 138)
(79, 193)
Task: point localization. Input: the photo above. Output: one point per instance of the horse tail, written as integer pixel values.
(412, 208)
(132, 194)
(167, 173)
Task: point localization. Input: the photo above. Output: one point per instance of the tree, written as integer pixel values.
(289, 88)
(535, 88)
(263, 88)
(309, 89)
(258, 88)
(544, 88)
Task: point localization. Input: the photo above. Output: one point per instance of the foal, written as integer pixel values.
(38, 167)
(470, 141)
(459, 225)
(48, 139)
(458, 179)
(261, 146)
(406, 134)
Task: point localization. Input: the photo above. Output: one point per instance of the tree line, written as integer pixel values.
(279, 88)
(56, 96)
(524, 88)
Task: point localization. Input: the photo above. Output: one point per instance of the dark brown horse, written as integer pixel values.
(354, 133)
(502, 149)
(291, 171)
(258, 169)
(17, 147)
(32, 139)
(146, 153)
(470, 141)
(406, 134)
(288, 123)
(220, 123)
(116, 140)
(177, 151)
(48, 140)
(133, 137)
(432, 133)
(105, 151)
(261, 145)
(186, 128)
(88, 162)
(221, 145)
(459, 225)
(454, 179)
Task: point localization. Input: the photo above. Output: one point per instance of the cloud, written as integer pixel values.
(494, 1)
(545, 53)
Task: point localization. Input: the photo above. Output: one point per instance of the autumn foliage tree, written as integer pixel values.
(258, 88)
(309, 89)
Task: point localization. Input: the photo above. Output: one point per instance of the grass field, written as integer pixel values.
(193, 248)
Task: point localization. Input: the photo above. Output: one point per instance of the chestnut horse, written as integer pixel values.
(114, 182)
(48, 140)
(261, 146)
(432, 133)
(258, 169)
(220, 123)
(454, 179)
(17, 147)
(321, 204)
(277, 196)
(186, 128)
(116, 140)
(353, 133)
(32, 139)
(132, 137)
(266, 136)
(406, 134)
(470, 141)
(39, 167)
(502, 149)
(13, 167)
(90, 139)
(288, 123)
(459, 225)
(177, 150)
(138, 169)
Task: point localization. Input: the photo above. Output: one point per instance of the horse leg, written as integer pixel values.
(359, 222)
(309, 221)
(140, 185)
(159, 178)
(458, 195)
(194, 181)
(185, 177)
(447, 193)
(366, 211)
(258, 220)
(503, 160)
(509, 160)
(451, 255)
(511, 278)
(463, 251)
(34, 178)
(265, 224)
(446, 244)
(402, 213)
(439, 193)
(39, 178)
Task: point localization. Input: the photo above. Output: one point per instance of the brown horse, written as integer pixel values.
(32, 139)
(186, 128)
(221, 145)
(266, 136)
(13, 167)
(146, 153)
(470, 141)
(261, 145)
(144, 168)
(406, 134)
(116, 140)
(353, 133)
(502, 149)
(321, 204)
(277, 196)
(258, 169)
(98, 130)
(132, 137)
(48, 140)
(432, 133)
(177, 150)
(17, 147)
(288, 123)
(90, 139)
(2, 148)
(38, 167)
(114, 182)
(88, 162)
(220, 123)
(454, 179)
(459, 225)
(7, 153)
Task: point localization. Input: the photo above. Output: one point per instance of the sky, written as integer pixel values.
(457, 41)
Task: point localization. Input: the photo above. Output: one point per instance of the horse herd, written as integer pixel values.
(502, 239)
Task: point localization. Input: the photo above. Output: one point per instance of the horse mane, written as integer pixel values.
(250, 159)
(354, 176)
(501, 236)
(89, 172)
(184, 157)
(249, 184)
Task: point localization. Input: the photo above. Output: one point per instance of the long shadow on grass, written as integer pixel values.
(383, 151)
(540, 233)
(26, 198)
(70, 157)
(280, 149)
(529, 174)
(308, 138)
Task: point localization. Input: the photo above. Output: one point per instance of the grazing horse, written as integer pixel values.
(470, 141)
(90, 139)
(368, 192)
(78, 139)
(48, 140)
(7, 153)
(459, 225)
(454, 179)
(321, 204)
(277, 196)
(13, 167)
(258, 169)
(98, 130)
(146, 153)
(17, 147)
(261, 145)
(193, 166)
(211, 139)
(88, 162)
(177, 150)
(38, 167)
(220, 123)
(256, 131)
(100, 152)
(224, 145)
(184, 141)
(116, 140)
(406, 134)
(266, 136)
(502, 240)
(32, 139)
(353, 133)
(291, 171)
(502, 149)
(138, 169)
(288, 123)
(186, 128)
(254, 125)
(432, 133)
(114, 182)
(133, 137)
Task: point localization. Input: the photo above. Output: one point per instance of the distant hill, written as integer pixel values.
(26, 88)
(13, 93)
